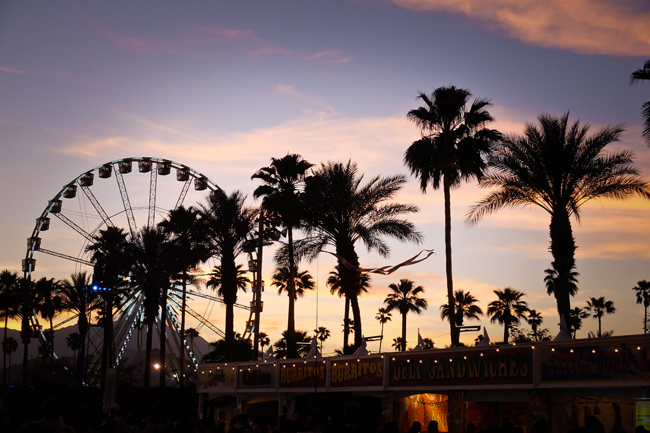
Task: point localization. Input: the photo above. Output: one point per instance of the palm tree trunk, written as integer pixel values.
(4, 355)
(81, 361)
(147, 361)
(645, 321)
(600, 331)
(356, 313)
(26, 335)
(291, 322)
(450, 280)
(381, 340)
(563, 251)
(183, 304)
(404, 332)
(346, 324)
(163, 338)
(506, 332)
(230, 332)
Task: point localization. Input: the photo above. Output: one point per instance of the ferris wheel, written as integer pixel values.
(92, 202)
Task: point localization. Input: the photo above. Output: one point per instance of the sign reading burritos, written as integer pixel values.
(355, 373)
(302, 375)
(513, 366)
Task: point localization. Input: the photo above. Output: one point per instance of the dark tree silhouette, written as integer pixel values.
(465, 308)
(642, 290)
(641, 75)
(405, 298)
(451, 150)
(599, 307)
(557, 167)
(508, 309)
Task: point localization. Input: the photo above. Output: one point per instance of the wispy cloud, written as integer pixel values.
(219, 42)
(311, 99)
(582, 26)
(11, 70)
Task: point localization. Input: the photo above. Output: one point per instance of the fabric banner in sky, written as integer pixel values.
(385, 270)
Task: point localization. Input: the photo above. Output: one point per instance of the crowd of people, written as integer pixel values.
(54, 419)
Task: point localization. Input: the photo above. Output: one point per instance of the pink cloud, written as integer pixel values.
(216, 42)
(11, 70)
(582, 26)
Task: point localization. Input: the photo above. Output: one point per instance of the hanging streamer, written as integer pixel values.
(384, 270)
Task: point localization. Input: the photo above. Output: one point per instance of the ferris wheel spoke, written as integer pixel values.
(126, 167)
(215, 299)
(153, 184)
(204, 322)
(181, 198)
(65, 256)
(74, 226)
(97, 205)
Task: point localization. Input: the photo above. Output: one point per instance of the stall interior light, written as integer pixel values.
(571, 350)
(638, 347)
(481, 353)
(552, 348)
(615, 348)
(420, 361)
(497, 349)
(532, 347)
(408, 360)
(593, 350)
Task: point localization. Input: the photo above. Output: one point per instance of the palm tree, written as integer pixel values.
(78, 298)
(640, 75)
(557, 167)
(264, 341)
(9, 307)
(150, 273)
(405, 298)
(223, 286)
(399, 344)
(282, 186)
(341, 212)
(428, 343)
(464, 308)
(535, 321)
(74, 342)
(227, 223)
(508, 309)
(642, 290)
(600, 307)
(302, 281)
(383, 316)
(334, 282)
(322, 333)
(111, 266)
(188, 247)
(452, 146)
(191, 333)
(577, 314)
(48, 305)
(300, 336)
(9, 346)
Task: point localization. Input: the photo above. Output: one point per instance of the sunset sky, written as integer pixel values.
(223, 86)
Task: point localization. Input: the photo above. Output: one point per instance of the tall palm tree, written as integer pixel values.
(9, 346)
(535, 321)
(334, 282)
(405, 298)
(302, 281)
(399, 344)
(264, 341)
(74, 342)
(150, 274)
(577, 314)
(227, 223)
(640, 75)
(383, 316)
(322, 333)
(464, 308)
(342, 211)
(48, 305)
(599, 307)
(9, 307)
(283, 183)
(188, 248)
(508, 309)
(452, 148)
(557, 167)
(642, 290)
(191, 333)
(78, 298)
(111, 265)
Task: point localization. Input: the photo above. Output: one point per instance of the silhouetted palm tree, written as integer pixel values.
(283, 183)
(452, 148)
(78, 298)
(280, 346)
(464, 308)
(428, 343)
(334, 282)
(640, 75)
(535, 321)
(383, 317)
(302, 281)
(224, 288)
(508, 309)
(599, 307)
(48, 305)
(264, 341)
(399, 344)
(577, 315)
(9, 307)
(188, 248)
(74, 342)
(341, 212)
(228, 222)
(557, 167)
(405, 298)
(192, 333)
(322, 333)
(642, 290)
(9, 346)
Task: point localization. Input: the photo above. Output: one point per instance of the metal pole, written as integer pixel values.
(258, 289)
